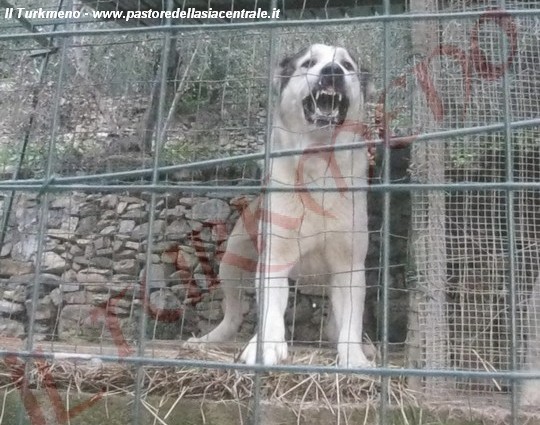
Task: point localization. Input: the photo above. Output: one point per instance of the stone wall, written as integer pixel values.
(94, 255)
(93, 263)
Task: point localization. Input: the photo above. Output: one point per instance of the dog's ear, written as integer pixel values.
(366, 82)
(283, 73)
(286, 69)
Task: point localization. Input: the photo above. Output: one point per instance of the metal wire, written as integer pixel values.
(158, 144)
(432, 136)
(265, 226)
(379, 371)
(414, 17)
(383, 408)
(44, 208)
(394, 187)
(511, 242)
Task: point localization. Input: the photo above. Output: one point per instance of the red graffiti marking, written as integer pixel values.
(481, 64)
(30, 401)
(108, 311)
(471, 62)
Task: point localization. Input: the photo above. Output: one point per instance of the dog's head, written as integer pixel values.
(321, 87)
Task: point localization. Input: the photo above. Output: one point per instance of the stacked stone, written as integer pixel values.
(94, 258)
(92, 272)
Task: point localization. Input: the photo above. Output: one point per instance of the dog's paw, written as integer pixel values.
(194, 343)
(531, 393)
(353, 357)
(356, 363)
(272, 352)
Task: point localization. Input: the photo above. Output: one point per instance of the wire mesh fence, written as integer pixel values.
(128, 153)
(486, 260)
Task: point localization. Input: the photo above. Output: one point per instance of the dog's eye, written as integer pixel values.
(348, 66)
(308, 63)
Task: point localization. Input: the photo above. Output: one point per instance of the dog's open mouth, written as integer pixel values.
(326, 106)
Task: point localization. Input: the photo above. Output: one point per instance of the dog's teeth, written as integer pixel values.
(317, 95)
(339, 97)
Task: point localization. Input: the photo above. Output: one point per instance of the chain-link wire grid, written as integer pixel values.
(475, 252)
(97, 208)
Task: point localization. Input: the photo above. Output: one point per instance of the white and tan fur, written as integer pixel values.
(319, 234)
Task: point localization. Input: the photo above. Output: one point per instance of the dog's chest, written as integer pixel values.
(324, 189)
(323, 184)
(328, 168)
(332, 170)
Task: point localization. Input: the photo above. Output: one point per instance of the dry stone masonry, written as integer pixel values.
(92, 272)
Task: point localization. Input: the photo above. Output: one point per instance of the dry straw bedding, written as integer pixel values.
(325, 390)
(212, 384)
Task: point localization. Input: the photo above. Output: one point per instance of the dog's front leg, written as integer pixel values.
(272, 305)
(348, 297)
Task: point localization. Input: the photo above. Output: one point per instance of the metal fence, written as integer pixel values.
(481, 262)
(127, 154)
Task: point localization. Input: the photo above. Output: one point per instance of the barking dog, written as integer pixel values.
(317, 230)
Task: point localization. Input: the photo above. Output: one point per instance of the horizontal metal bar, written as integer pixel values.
(35, 33)
(438, 135)
(396, 187)
(204, 364)
(276, 24)
(49, 22)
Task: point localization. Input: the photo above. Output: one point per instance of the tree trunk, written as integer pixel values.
(150, 123)
(429, 334)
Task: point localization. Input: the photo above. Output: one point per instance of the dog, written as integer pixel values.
(314, 228)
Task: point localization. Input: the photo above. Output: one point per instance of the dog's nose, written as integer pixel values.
(332, 75)
(332, 70)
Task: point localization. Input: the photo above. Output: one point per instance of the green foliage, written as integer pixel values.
(221, 82)
(182, 152)
(466, 152)
(34, 159)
